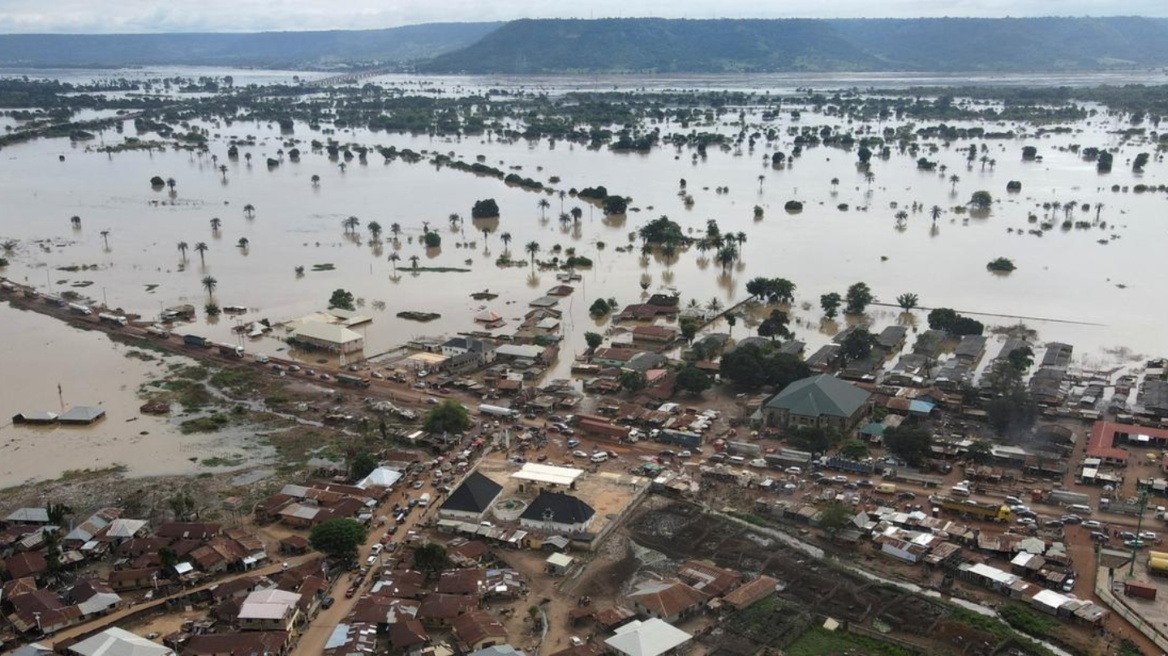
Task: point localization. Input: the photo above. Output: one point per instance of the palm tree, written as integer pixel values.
(869, 177)
(563, 194)
(454, 219)
(350, 224)
(395, 230)
(901, 219)
(714, 305)
(394, 258)
(907, 301)
(726, 255)
(935, 212)
(201, 248)
(76, 221)
(223, 170)
(532, 248)
(565, 218)
(247, 156)
(105, 238)
(182, 248)
(343, 166)
(249, 210)
(243, 242)
(414, 261)
(1098, 209)
(374, 229)
(740, 238)
(506, 239)
(834, 183)
(215, 223)
(315, 177)
(210, 284)
(953, 180)
(760, 179)
(170, 182)
(543, 204)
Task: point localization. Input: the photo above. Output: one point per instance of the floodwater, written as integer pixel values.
(1068, 286)
(39, 353)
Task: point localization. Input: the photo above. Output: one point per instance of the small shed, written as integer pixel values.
(81, 415)
(558, 564)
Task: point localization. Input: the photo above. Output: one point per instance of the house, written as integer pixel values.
(118, 642)
(269, 509)
(81, 415)
(94, 598)
(300, 516)
(407, 635)
(25, 563)
(667, 600)
(971, 349)
(613, 356)
(708, 578)
(498, 650)
(294, 544)
(654, 333)
(476, 630)
(132, 579)
(471, 500)
(822, 401)
(461, 582)
(651, 638)
(558, 564)
(511, 352)
(824, 358)
(556, 512)
(750, 593)
(441, 609)
(28, 516)
(892, 338)
(270, 610)
(188, 531)
(273, 643)
(329, 337)
(468, 349)
(351, 639)
(42, 611)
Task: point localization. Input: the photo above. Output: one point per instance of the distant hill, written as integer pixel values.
(715, 46)
(262, 49)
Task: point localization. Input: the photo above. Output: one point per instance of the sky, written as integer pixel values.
(133, 16)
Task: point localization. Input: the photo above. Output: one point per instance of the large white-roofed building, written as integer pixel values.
(551, 474)
(330, 337)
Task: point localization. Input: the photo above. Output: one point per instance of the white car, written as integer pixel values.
(579, 454)
(1148, 535)
(793, 470)
(1091, 523)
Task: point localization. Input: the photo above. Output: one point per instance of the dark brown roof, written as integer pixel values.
(26, 563)
(667, 599)
(295, 542)
(439, 606)
(407, 633)
(749, 593)
(248, 642)
(119, 575)
(460, 581)
(477, 625)
(19, 586)
(707, 578)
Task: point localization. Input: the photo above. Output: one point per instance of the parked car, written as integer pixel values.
(1068, 585)
(579, 454)
(327, 602)
(1072, 519)
(1091, 523)
(865, 483)
(906, 495)
(573, 443)
(793, 470)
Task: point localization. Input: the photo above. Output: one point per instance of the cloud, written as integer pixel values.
(123, 16)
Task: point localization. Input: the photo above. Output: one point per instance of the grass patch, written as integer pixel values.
(208, 424)
(1028, 621)
(820, 641)
(236, 381)
(189, 372)
(220, 461)
(275, 399)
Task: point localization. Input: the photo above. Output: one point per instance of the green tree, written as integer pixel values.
(1003, 264)
(830, 304)
(775, 326)
(1021, 358)
(338, 538)
(908, 302)
(486, 208)
(430, 558)
(182, 248)
(57, 513)
(693, 380)
(447, 417)
(688, 328)
(633, 381)
(982, 200)
(201, 249)
(854, 449)
(980, 451)
(857, 345)
(374, 229)
(432, 239)
(209, 284)
(594, 340)
(909, 442)
(342, 299)
(834, 517)
(362, 465)
(599, 308)
(750, 367)
(858, 297)
(532, 249)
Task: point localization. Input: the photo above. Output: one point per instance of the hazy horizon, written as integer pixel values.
(235, 16)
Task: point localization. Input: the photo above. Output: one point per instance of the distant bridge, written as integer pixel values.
(349, 78)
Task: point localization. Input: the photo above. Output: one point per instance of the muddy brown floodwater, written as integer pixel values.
(1068, 285)
(39, 352)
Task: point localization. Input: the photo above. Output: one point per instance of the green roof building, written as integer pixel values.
(819, 401)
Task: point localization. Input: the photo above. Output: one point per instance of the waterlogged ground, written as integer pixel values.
(1068, 285)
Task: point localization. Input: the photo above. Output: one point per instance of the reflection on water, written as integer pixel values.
(1064, 275)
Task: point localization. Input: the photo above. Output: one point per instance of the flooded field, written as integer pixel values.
(40, 353)
(1086, 286)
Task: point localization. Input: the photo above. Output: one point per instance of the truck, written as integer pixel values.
(424, 500)
(7, 286)
(743, 449)
(196, 340)
(1158, 566)
(114, 319)
(498, 411)
(848, 465)
(1121, 507)
(1061, 497)
(53, 299)
(158, 331)
(602, 428)
(679, 438)
(80, 309)
(352, 381)
(230, 350)
(886, 488)
(989, 511)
